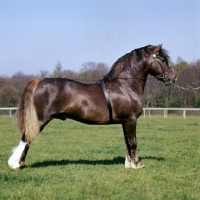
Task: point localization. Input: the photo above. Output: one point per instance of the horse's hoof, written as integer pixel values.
(22, 165)
(140, 165)
(134, 165)
(18, 168)
(15, 164)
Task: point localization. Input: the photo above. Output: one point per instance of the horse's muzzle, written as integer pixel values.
(168, 81)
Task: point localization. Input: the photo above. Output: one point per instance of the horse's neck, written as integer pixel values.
(135, 76)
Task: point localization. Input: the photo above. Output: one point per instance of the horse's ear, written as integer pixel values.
(157, 49)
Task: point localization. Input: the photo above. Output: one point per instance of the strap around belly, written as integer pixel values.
(107, 99)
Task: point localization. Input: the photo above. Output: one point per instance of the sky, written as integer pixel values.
(37, 34)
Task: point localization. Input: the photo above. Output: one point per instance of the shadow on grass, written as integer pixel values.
(152, 158)
(114, 161)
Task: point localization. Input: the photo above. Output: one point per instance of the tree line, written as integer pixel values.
(156, 93)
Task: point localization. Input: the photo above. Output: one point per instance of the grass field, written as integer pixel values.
(70, 160)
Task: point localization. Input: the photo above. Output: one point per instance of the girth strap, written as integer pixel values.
(107, 98)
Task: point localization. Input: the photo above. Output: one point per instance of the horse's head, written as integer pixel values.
(159, 65)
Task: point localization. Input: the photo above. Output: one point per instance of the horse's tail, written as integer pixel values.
(26, 116)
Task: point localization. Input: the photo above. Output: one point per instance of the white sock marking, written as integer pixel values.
(13, 161)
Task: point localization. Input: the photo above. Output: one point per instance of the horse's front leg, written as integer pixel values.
(17, 159)
(132, 161)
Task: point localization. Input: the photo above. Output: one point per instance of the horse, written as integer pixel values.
(115, 99)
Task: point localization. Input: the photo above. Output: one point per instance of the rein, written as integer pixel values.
(183, 88)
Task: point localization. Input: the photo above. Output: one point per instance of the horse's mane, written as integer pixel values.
(119, 66)
(135, 56)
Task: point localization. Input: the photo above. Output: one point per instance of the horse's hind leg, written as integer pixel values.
(27, 121)
(17, 159)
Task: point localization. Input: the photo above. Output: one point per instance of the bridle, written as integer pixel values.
(164, 76)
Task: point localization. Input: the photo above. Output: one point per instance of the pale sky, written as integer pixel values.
(36, 34)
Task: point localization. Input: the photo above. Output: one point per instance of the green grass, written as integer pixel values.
(70, 160)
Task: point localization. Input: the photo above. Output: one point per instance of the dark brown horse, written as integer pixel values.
(116, 99)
